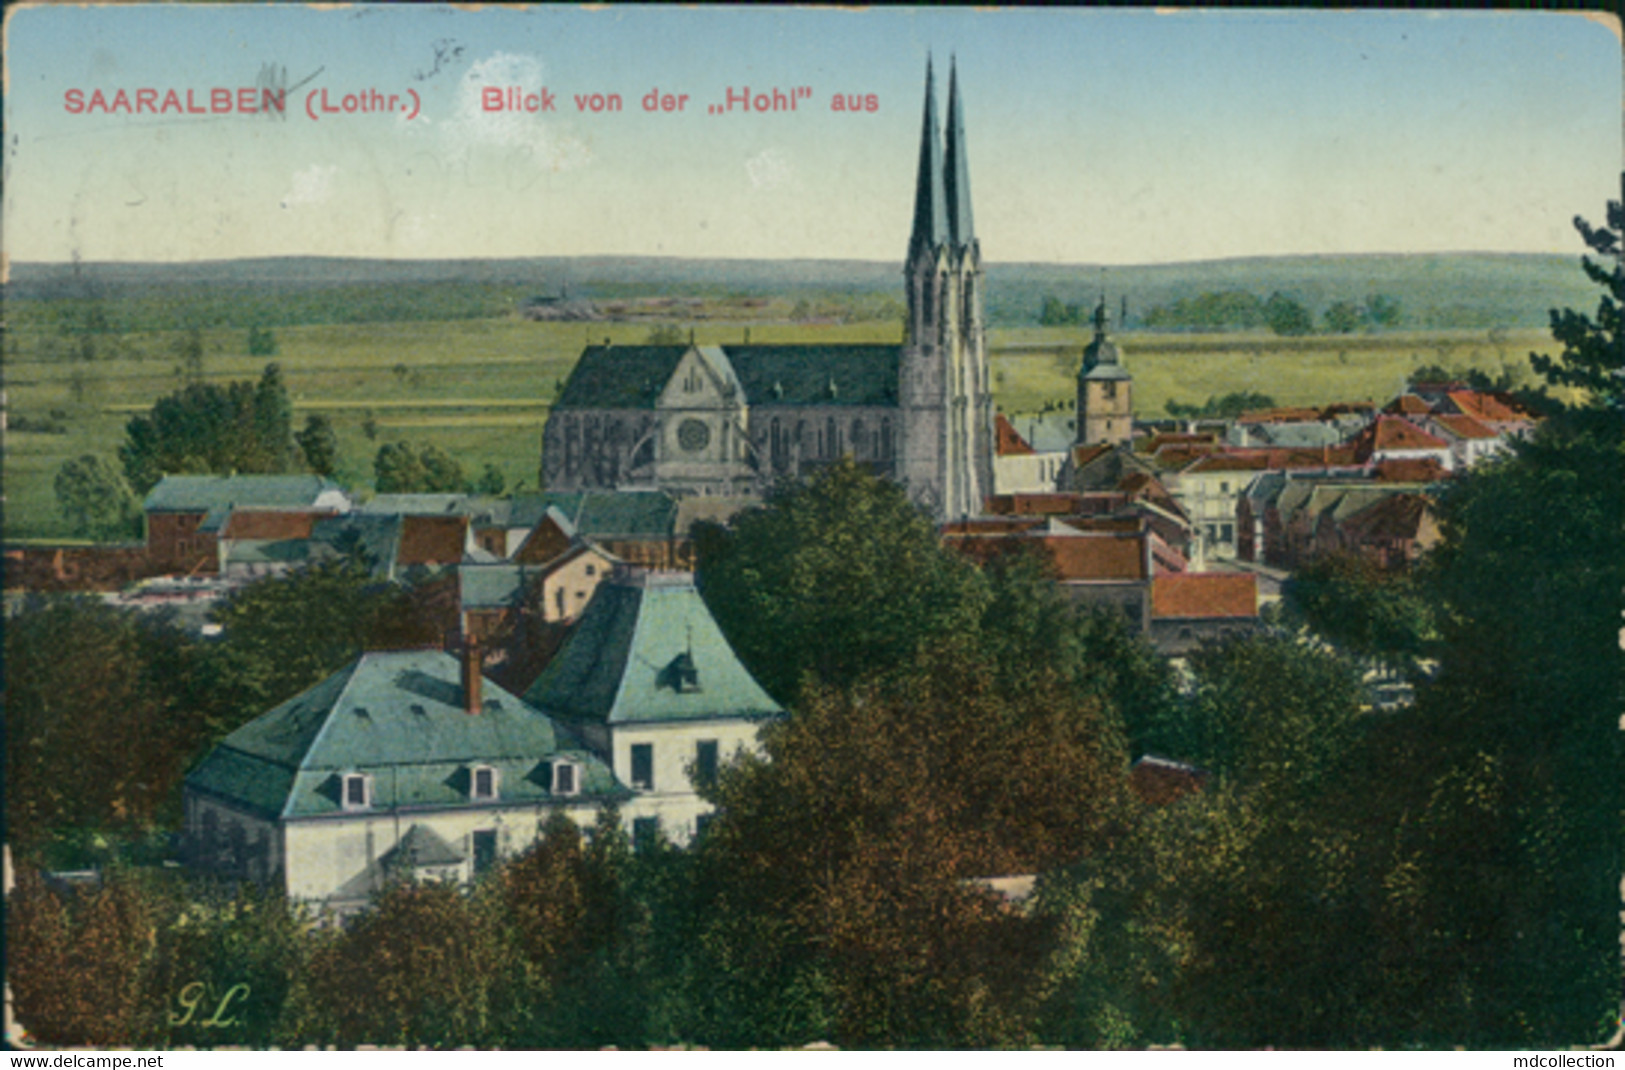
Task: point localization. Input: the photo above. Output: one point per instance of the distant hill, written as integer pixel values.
(1435, 290)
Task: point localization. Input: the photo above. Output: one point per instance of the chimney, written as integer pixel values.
(472, 702)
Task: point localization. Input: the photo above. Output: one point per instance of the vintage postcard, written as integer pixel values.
(758, 527)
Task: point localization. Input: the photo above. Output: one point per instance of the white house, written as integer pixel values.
(651, 685)
(406, 763)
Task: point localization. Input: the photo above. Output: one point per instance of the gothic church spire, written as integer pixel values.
(956, 172)
(930, 215)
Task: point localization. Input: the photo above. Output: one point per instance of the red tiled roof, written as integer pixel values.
(432, 540)
(268, 524)
(1259, 460)
(990, 526)
(1007, 441)
(1034, 504)
(1411, 470)
(1279, 416)
(545, 542)
(1395, 433)
(1158, 781)
(1096, 558)
(1082, 455)
(1204, 594)
(1397, 517)
(1484, 405)
(1463, 426)
(1180, 454)
(1171, 438)
(1408, 405)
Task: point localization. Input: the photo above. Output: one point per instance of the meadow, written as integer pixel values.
(480, 388)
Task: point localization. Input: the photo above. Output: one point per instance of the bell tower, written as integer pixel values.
(1105, 389)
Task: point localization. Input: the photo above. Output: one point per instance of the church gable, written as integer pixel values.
(703, 379)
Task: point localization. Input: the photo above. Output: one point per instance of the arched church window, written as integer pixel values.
(831, 438)
(857, 439)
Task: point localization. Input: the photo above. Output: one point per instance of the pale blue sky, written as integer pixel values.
(1111, 136)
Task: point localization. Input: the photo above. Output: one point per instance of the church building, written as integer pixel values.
(731, 420)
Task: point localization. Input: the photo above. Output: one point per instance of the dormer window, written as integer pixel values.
(680, 674)
(357, 791)
(566, 778)
(482, 783)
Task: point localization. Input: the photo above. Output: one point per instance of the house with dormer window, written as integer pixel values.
(651, 686)
(405, 763)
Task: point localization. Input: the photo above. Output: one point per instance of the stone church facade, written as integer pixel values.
(732, 420)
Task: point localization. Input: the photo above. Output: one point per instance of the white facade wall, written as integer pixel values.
(1210, 499)
(1028, 473)
(674, 746)
(338, 862)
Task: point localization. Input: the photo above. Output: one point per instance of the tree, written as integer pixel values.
(835, 871)
(400, 468)
(320, 444)
(1593, 359)
(1382, 310)
(189, 351)
(1286, 316)
(1342, 317)
(1526, 702)
(272, 438)
(241, 427)
(284, 634)
(92, 494)
(832, 579)
(261, 342)
(94, 687)
(491, 482)
(1365, 611)
(77, 961)
(426, 965)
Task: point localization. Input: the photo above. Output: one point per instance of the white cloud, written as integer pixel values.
(529, 134)
(313, 185)
(769, 169)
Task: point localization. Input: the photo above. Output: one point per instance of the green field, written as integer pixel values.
(480, 388)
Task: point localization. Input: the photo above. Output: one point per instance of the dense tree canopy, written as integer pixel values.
(92, 494)
(834, 579)
(403, 468)
(241, 427)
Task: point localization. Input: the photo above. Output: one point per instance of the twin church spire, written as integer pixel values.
(942, 212)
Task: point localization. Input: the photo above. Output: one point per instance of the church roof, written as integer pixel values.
(647, 649)
(632, 377)
(399, 717)
(817, 374)
(620, 377)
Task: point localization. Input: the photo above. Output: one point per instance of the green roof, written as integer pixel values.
(647, 649)
(267, 551)
(633, 377)
(497, 586)
(620, 377)
(424, 505)
(397, 717)
(611, 514)
(818, 375)
(202, 494)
